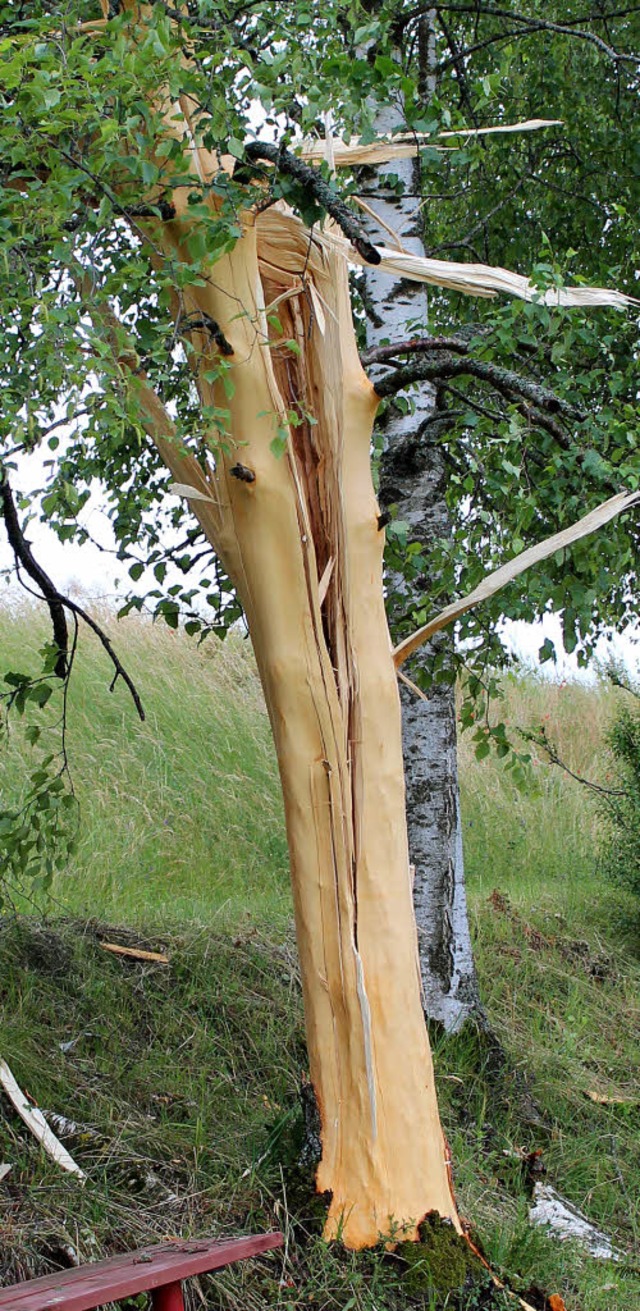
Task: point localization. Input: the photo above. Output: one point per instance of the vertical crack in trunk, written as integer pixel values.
(317, 462)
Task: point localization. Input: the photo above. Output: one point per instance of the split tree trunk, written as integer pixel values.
(413, 479)
(299, 537)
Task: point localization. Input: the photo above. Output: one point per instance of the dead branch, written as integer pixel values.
(322, 191)
(57, 603)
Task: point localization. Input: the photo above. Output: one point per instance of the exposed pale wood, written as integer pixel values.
(35, 1121)
(277, 223)
(533, 555)
(300, 542)
(325, 662)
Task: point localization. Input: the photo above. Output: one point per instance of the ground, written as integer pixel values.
(183, 1079)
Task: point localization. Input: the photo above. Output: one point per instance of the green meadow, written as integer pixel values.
(182, 1080)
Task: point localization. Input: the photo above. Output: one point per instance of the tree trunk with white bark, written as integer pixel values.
(413, 480)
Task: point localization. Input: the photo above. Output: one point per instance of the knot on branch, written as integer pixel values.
(242, 473)
(207, 324)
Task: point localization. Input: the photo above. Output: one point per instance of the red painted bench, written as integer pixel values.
(158, 1270)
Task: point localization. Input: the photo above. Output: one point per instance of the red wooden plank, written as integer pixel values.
(123, 1276)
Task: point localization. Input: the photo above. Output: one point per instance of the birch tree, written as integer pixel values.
(185, 291)
(413, 480)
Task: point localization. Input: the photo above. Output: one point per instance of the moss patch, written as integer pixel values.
(441, 1261)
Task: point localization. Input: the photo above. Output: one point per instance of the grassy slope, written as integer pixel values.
(181, 815)
(188, 1075)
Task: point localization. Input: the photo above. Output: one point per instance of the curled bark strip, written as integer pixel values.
(320, 189)
(56, 602)
(533, 555)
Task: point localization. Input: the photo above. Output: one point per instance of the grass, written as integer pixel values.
(180, 815)
(183, 1079)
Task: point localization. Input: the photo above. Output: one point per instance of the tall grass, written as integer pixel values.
(180, 816)
(542, 841)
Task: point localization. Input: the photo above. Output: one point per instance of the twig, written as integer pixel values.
(541, 739)
(533, 24)
(135, 953)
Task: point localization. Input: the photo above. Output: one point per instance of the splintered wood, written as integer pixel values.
(35, 1121)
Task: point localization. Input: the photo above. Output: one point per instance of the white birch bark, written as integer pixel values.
(413, 479)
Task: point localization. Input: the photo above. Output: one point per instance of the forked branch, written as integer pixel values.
(56, 601)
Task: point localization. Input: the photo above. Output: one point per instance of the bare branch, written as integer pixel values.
(415, 345)
(322, 191)
(56, 602)
(526, 22)
(509, 383)
(542, 739)
(24, 555)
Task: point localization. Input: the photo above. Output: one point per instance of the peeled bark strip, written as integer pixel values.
(412, 478)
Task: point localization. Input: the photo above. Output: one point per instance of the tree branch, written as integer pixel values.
(24, 555)
(321, 190)
(56, 602)
(443, 364)
(417, 345)
(533, 24)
